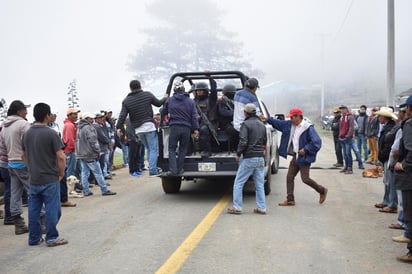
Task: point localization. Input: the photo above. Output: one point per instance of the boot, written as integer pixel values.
(19, 225)
(43, 224)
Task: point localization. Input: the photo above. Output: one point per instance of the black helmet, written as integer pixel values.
(201, 86)
(229, 91)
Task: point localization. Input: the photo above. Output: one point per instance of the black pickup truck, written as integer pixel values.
(222, 162)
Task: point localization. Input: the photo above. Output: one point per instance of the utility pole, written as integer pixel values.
(390, 75)
(322, 92)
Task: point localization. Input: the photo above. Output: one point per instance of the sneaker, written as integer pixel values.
(361, 167)
(338, 165)
(401, 239)
(343, 170)
(88, 193)
(108, 177)
(145, 168)
(136, 174)
(107, 193)
(157, 174)
(349, 171)
(37, 243)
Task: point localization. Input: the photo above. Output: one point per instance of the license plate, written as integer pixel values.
(207, 167)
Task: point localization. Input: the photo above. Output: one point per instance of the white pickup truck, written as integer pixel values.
(222, 162)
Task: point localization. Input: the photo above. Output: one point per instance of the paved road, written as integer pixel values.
(139, 229)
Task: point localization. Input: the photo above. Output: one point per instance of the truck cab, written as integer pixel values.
(222, 161)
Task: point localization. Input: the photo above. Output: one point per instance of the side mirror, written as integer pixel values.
(280, 116)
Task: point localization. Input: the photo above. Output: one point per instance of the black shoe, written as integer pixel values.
(108, 177)
(8, 222)
(19, 225)
(108, 193)
(169, 173)
(88, 193)
(338, 165)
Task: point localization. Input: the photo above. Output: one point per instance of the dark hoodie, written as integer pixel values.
(181, 110)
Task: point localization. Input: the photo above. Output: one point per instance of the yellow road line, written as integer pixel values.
(177, 259)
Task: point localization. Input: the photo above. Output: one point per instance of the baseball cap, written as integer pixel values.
(88, 115)
(402, 107)
(99, 115)
(252, 83)
(294, 111)
(72, 110)
(250, 108)
(409, 101)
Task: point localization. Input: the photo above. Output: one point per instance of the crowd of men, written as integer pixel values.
(383, 139)
(85, 148)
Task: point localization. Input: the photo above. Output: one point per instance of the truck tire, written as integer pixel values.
(274, 168)
(268, 180)
(171, 184)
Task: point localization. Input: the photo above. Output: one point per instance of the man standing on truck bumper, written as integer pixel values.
(182, 121)
(252, 143)
(138, 105)
(243, 97)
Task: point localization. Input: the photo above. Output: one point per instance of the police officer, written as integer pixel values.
(225, 110)
(206, 105)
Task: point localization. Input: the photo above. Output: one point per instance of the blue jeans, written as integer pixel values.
(149, 140)
(390, 196)
(362, 143)
(7, 192)
(347, 152)
(250, 166)
(125, 152)
(49, 195)
(70, 164)
(178, 134)
(400, 214)
(94, 166)
(357, 154)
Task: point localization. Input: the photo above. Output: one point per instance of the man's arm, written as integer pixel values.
(61, 163)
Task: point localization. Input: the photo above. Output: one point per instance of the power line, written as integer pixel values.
(343, 22)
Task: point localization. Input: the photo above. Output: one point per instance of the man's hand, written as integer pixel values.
(237, 158)
(196, 134)
(301, 152)
(398, 166)
(119, 132)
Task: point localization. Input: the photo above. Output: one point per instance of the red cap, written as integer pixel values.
(294, 111)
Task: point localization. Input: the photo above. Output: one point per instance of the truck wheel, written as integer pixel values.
(268, 180)
(171, 184)
(274, 168)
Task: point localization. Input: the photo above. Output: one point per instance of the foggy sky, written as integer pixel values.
(45, 44)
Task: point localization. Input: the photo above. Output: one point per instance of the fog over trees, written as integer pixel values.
(189, 37)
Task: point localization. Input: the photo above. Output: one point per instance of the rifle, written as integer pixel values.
(209, 125)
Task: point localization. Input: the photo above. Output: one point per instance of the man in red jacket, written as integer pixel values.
(69, 140)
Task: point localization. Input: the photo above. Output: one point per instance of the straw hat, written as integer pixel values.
(387, 112)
